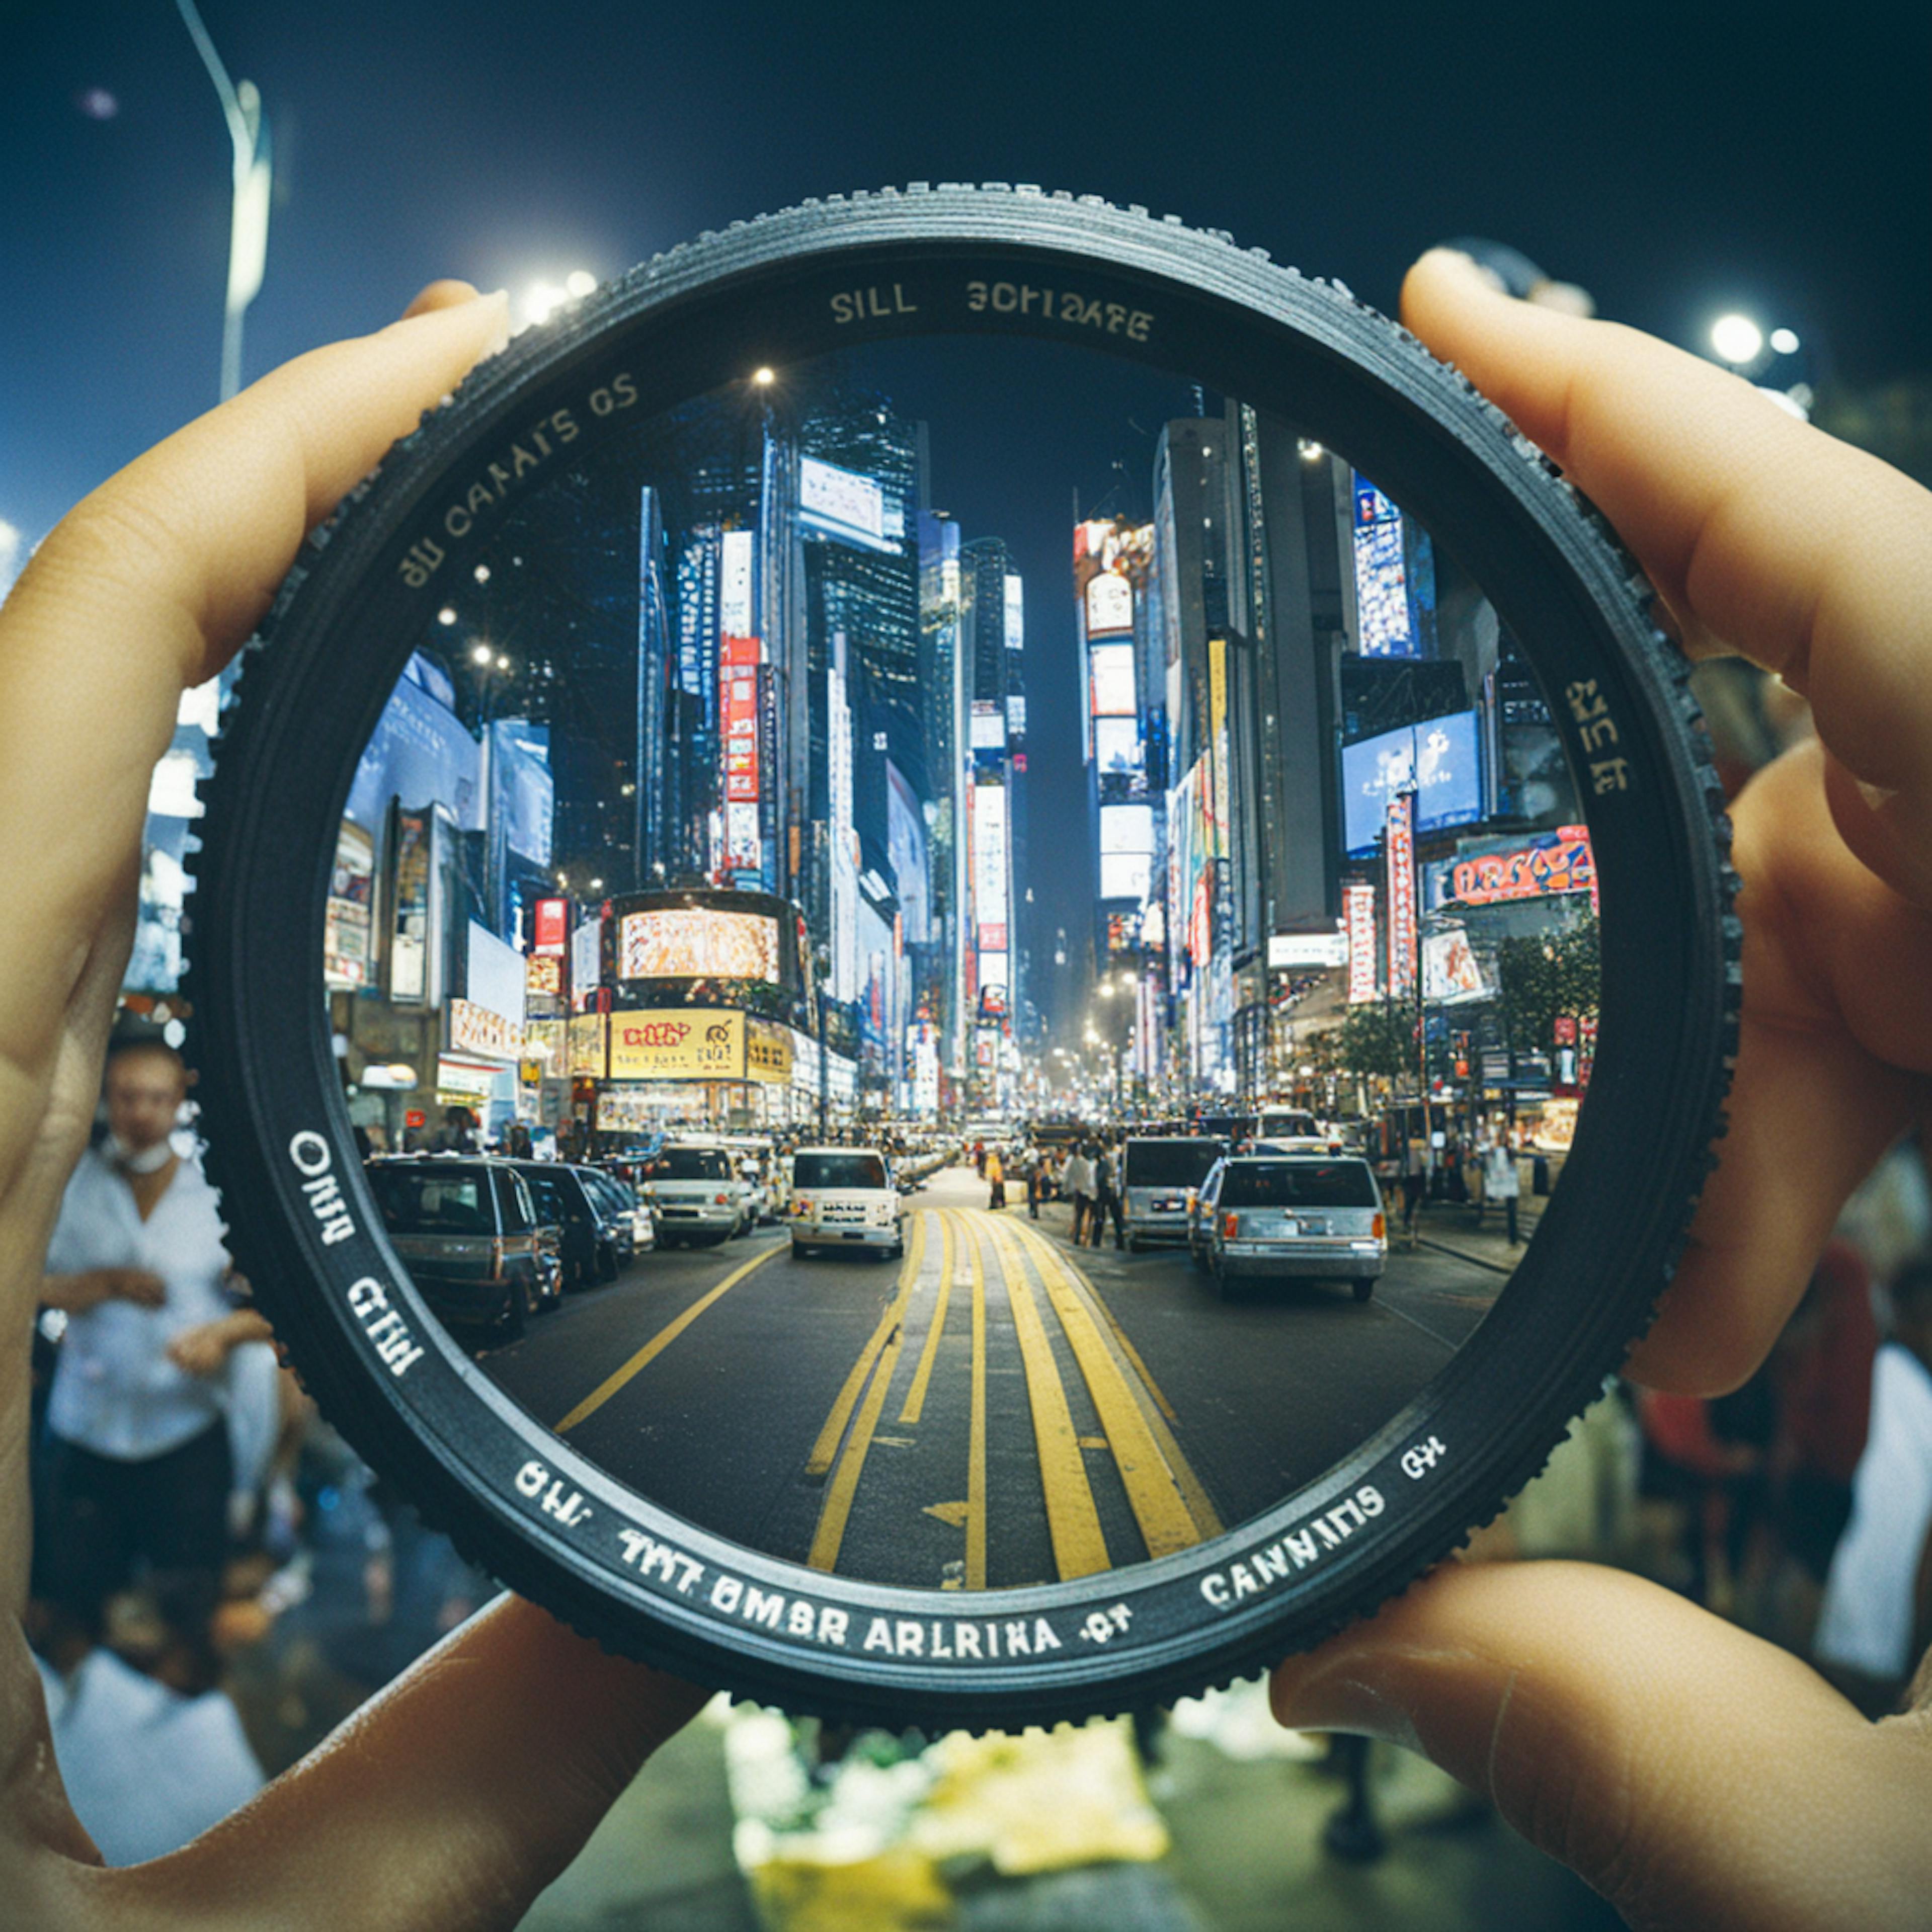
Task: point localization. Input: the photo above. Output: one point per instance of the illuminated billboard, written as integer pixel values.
(1382, 579)
(1401, 865)
(1451, 974)
(1015, 612)
(697, 942)
(991, 884)
(1110, 670)
(842, 504)
(1358, 905)
(1116, 745)
(1125, 875)
(1127, 828)
(1110, 605)
(1439, 760)
(736, 551)
(989, 725)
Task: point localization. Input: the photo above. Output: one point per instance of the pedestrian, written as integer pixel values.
(1500, 1182)
(139, 1466)
(996, 1181)
(1078, 1180)
(979, 1158)
(1878, 1594)
(1107, 1197)
(1415, 1180)
(1035, 1179)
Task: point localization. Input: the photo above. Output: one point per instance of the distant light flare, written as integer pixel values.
(1737, 339)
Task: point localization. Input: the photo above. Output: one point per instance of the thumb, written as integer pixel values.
(1697, 1777)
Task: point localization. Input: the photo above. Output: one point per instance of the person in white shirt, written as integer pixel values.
(1077, 1181)
(1500, 1182)
(1867, 1630)
(138, 1467)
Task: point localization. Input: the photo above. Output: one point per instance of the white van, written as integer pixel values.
(697, 1194)
(844, 1197)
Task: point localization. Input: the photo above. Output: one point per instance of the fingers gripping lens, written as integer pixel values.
(1104, 890)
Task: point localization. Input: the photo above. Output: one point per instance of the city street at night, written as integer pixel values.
(990, 1412)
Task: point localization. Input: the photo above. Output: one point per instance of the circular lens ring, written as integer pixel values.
(554, 1526)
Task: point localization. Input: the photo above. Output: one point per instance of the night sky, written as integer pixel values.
(1676, 163)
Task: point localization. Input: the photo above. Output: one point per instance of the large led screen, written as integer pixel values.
(697, 942)
(1440, 759)
(1127, 828)
(1125, 875)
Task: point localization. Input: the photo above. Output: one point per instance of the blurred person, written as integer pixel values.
(1107, 1196)
(1868, 1623)
(1699, 1777)
(995, 1171)
(139, 1460)
(1501, 1182)
(1078, 1178)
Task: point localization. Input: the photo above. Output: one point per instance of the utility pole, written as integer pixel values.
(248, 222)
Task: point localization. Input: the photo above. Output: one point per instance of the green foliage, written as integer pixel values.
(1559, 972)
(1378, 1038)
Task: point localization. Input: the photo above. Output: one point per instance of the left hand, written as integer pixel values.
(455, 1796)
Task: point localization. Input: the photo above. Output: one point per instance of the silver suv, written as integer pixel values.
(1306, 1216)
(697, 1194)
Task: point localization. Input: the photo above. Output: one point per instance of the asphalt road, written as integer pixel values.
(995, 1411)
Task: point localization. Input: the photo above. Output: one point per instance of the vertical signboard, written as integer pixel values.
(989, 866)
(549, 926)
(735, 551)
(738, 659)
(1402, 958)
(1358, 904)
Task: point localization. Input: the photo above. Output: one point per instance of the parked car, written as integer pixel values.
(1159, 1177)
(844, 1197)
(600, 1231)
(696, 1194)
(478, 1249)
(1304, 1216)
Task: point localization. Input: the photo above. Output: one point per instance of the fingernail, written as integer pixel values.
(1876, 796)
(1336, 1698)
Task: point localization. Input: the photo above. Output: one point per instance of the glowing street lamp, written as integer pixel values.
(1737, 340)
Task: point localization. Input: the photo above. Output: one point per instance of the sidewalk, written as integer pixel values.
(1450, 1228)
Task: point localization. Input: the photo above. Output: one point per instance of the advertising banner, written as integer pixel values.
(841, 503)
(989, 726)
(1110, 671)
(550, 921)
(543, 979)
(584, 1047)
(1401, 872)
(1307, 949)
(348, 921)
(735, 551)
(494, 976)
(1451, 974)
(1014, 612)
(1127, 828)
(697, 942)
(990, 874)
(677, 1043)
(1438, 759)
(482, 1030)
(768, 1053)
(738, 667)
(1558, 862)
(1110, 604)
(1359, 906)
(586, 956)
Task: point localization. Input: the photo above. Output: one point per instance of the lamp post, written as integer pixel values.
(248, 220)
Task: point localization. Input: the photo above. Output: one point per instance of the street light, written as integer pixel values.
(1737, 340)
(248, 217)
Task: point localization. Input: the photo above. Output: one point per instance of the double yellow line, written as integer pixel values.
(1170, 1504)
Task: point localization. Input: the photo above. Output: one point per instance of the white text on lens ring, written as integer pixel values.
(1260, 1569)
(396, 1347)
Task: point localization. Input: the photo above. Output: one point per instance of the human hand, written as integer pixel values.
(200, 1351)
(135, 1285)
(1697, 1777)
(452, 1798)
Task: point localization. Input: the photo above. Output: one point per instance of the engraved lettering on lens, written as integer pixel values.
(770, 743)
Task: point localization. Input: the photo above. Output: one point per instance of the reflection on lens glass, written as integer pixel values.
(854, 826)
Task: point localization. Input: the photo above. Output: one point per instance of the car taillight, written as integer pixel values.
(1379, 1228)
(721, 1200)
(1232, 1226)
